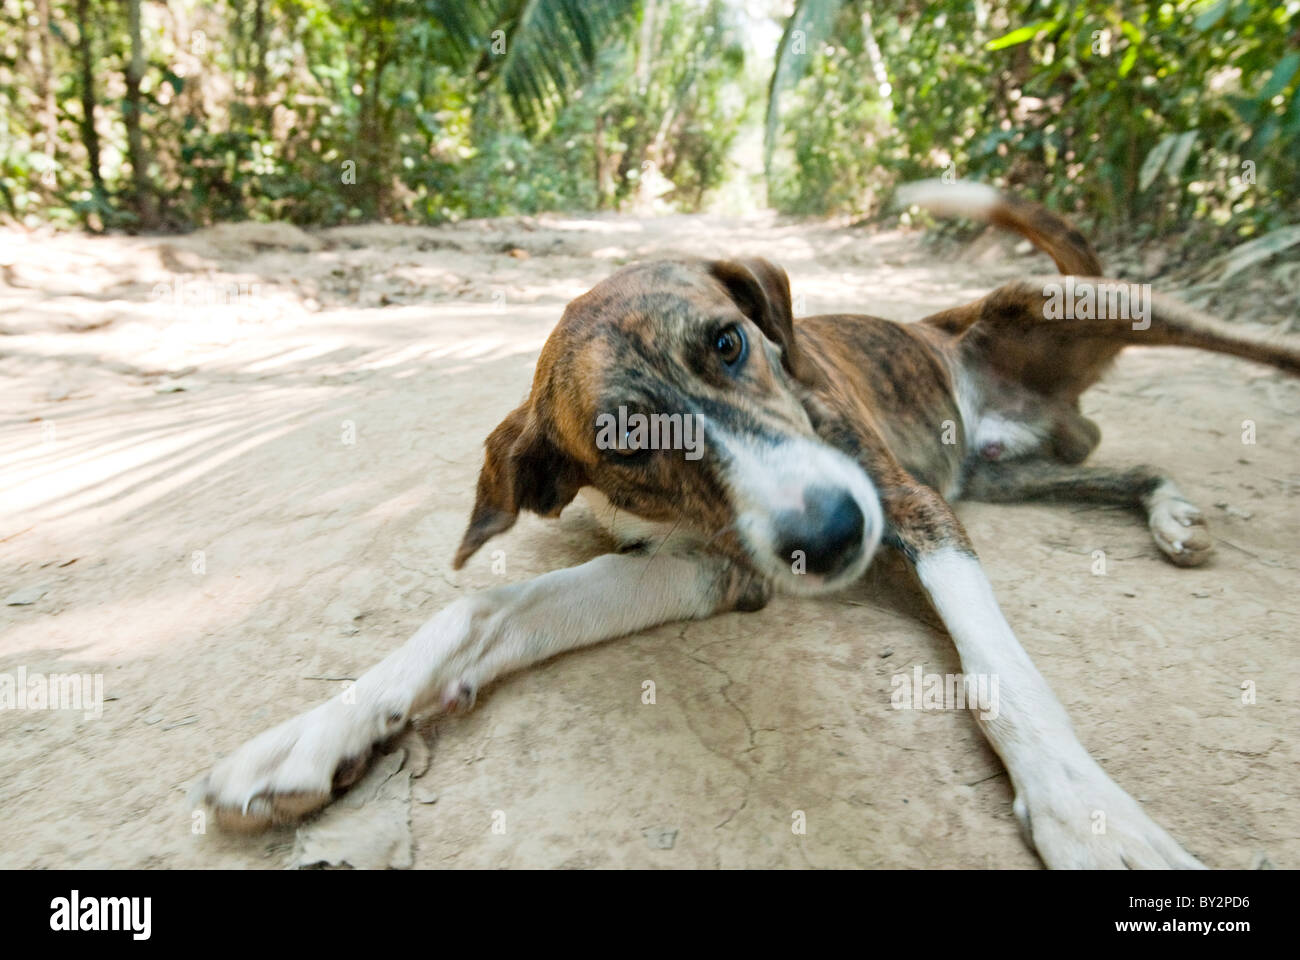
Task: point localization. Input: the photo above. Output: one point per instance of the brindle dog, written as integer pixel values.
(824, 438)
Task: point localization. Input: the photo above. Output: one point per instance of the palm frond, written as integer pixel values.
(549, 45)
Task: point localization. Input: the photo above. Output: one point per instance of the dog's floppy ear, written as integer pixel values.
(522, 470)
(762, 292)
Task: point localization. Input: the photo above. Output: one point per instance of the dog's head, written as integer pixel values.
(679, 391)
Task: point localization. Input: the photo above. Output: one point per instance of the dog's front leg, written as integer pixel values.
(1070, 810)
(293, 769)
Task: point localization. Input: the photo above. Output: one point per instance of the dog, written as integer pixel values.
(826, 439)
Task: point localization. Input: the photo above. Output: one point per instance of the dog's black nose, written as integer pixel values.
(826, 537)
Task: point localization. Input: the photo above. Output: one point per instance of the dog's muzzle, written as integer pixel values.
(808, 515)
(827, 534)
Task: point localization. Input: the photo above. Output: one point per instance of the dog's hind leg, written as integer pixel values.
(1011, 338)
(1070, 810)
(1177, 525)
(293, 769)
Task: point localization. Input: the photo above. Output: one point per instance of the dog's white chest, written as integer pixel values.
(622, 526)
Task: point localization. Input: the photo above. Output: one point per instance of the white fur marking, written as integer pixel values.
(961, 198)
(1060, 789)
(765, 479)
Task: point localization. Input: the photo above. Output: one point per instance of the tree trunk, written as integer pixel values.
(374, 124)
(45, 92)
(86, 59)
(143, 199)
(259, 64)
(602, 169)
(874, 58)
(645, 49)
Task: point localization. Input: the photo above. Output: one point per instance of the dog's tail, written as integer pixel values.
(1052, 234)
(1144, 318)
(1164, 321)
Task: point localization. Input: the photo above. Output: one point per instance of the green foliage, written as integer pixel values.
(838, 122)
(330, 111)
(1142, 118)
(545, 48)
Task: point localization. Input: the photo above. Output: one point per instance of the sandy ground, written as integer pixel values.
(228, 509)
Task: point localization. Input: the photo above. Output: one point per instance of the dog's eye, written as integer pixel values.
(730, 344)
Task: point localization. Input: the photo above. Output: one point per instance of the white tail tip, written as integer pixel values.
(961, 198)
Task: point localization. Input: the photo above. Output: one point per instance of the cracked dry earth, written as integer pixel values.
(181, 513)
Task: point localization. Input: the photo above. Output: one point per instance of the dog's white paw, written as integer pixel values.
(1077, 818)
(1180, 532)
(290, 771)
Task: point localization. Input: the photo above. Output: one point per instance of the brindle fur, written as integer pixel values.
(884, 393)
(922, 410)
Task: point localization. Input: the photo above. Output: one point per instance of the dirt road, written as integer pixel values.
(228, 508)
